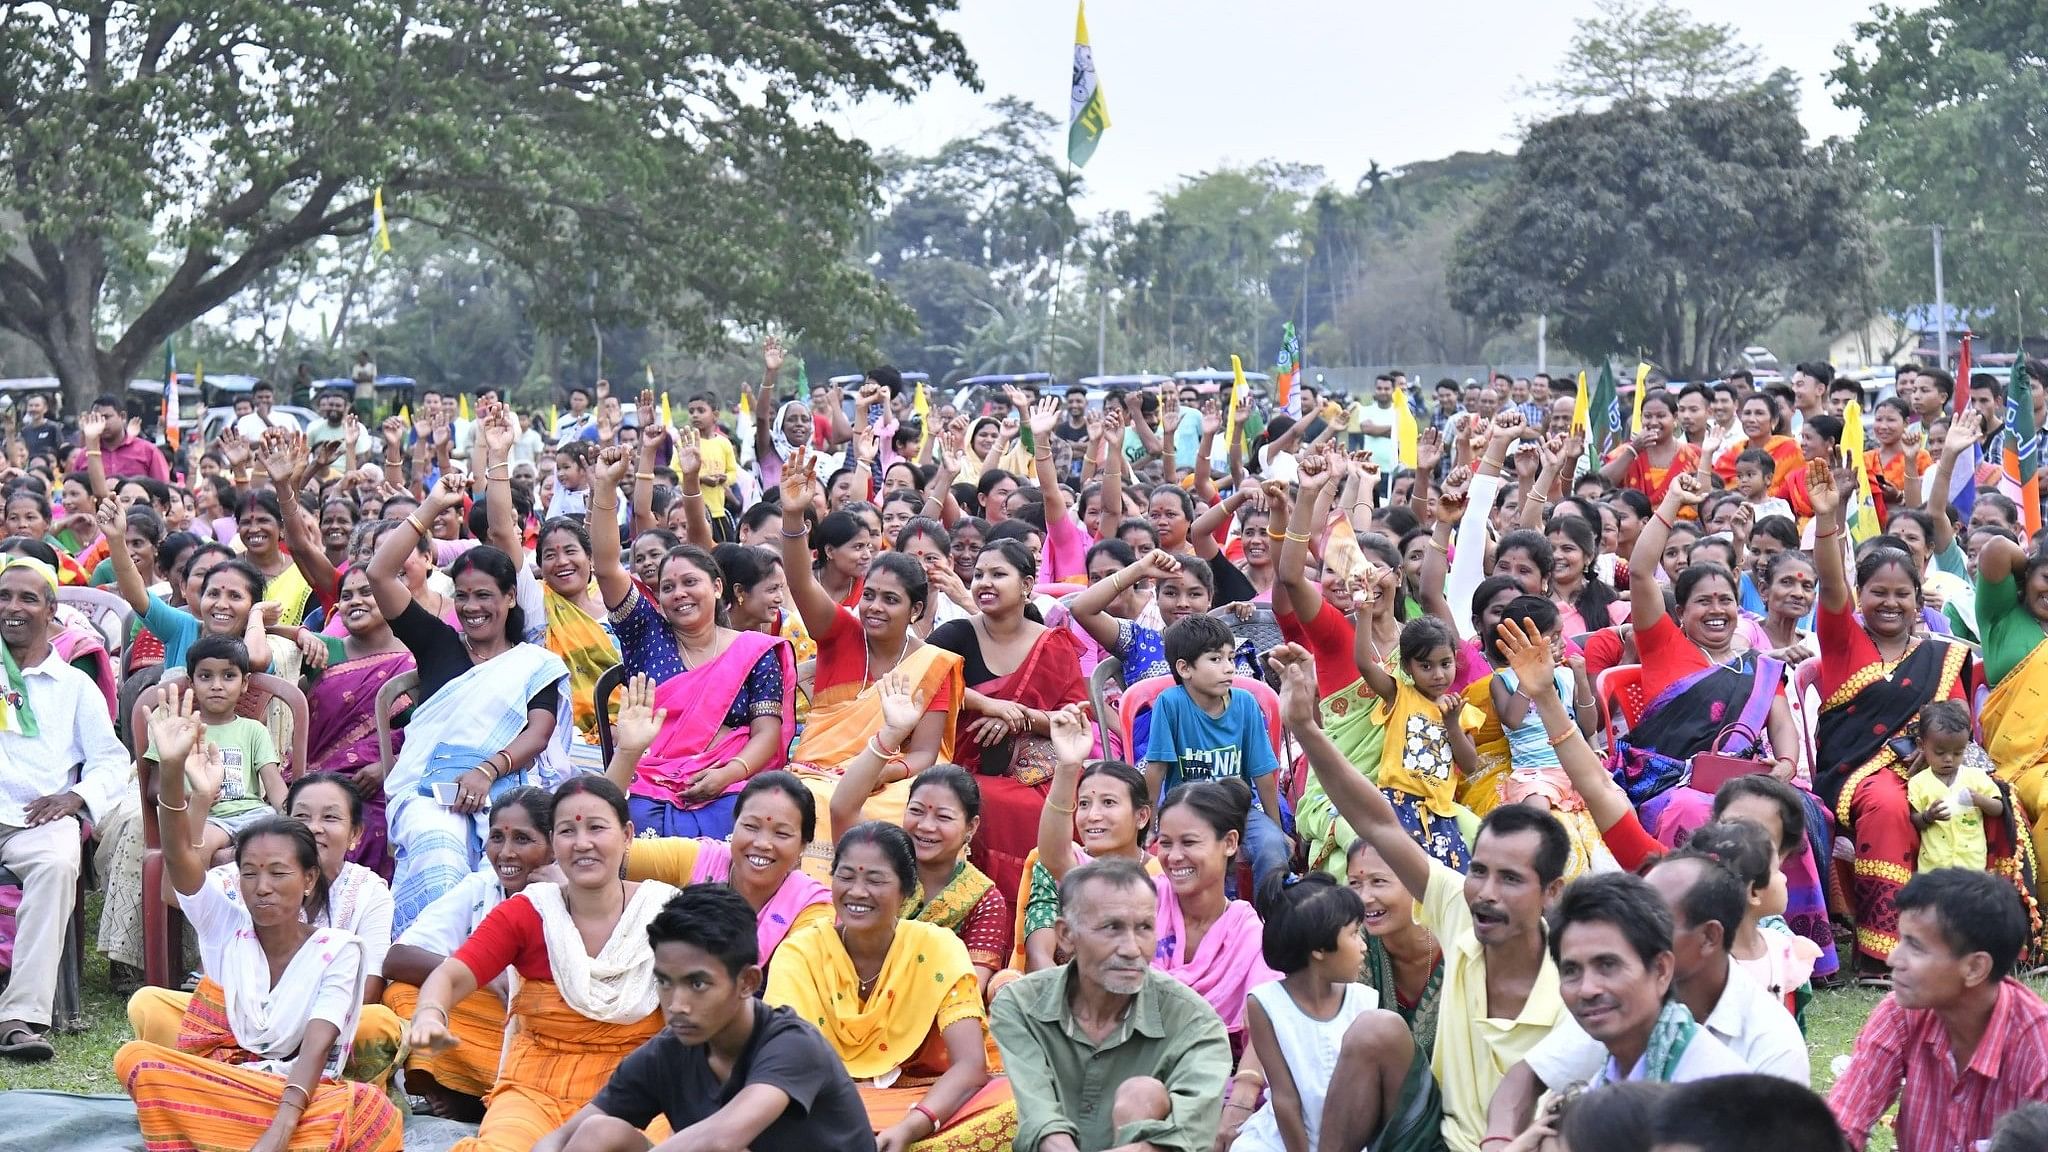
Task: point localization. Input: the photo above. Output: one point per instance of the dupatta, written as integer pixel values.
(1227, 965)
(269, 1021)
(586, 647)
(843, 716)
(695, 739)
(477, 713)
(1871, 709)
(926, 983)
(797, 895)
(616, 986)
(341, 724)
(950, 907)
(1687, 717)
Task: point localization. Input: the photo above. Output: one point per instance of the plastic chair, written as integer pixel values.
(107, 611)
(608, 682)
(1139, 696)
(1110, 671)
(1620, 690)
(163, 925)
(387, 704)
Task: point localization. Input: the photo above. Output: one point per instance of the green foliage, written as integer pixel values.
(1954, 100)
(671, 149)
(1649, 53)
(1681, 230)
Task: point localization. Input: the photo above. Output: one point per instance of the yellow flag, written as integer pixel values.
(405, 414)
(921, 407)
(1405, 432)
(554, 419)
(377, 211)
(1635, 422)
(746, 410)
(1583, 406)
(462, 406)
(668, 419)
(1237, 388)
(1861, 514)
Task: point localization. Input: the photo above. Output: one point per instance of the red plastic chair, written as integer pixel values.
(1139, 696)
(1620, 690)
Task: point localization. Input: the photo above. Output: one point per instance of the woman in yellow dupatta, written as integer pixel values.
(2012, 618)
(855, 652)
(898, 1001)
(575, 1015)
(575, 619)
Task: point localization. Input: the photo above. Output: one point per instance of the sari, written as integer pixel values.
(290, 589)
(1225, 967)
(220, 1088)
(587, 647)
(1014, 773)
(1420, 1016)
(1347, 721)
(1651, 480)
(1784, 451)
(970, 907)
(2015, 724)
(570, 1032)
(1685, 719)
(451, 731)
(844, 716)
(893, 1042)
(1862, 779)
(341, 735)
(681, 861)
(696, 739)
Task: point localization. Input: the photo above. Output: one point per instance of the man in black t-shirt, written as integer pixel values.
(728, 1071)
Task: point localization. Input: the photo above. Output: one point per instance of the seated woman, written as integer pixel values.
(341, 701)
(228, 591)
(898, 1001)
(1207, 940)
(724, 698)
(1017, 672)
(258, 1057)
(454, 1081)
(358, 903)
(854, 654)
(493, 711)
(941, 814)
(1697, 675)
(585, 994)
(775, 817)
(1403, 960)
(259, 520)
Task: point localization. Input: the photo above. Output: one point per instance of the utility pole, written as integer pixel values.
(1542, 343)
(1940, 300)
(1102, 329)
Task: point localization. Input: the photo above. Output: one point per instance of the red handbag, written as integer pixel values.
(1713, 768)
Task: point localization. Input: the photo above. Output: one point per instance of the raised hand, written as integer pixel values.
(1159, 563)
(772, 355)
(953, 441)
(1910, 440)
(446, 493)
(1507, 427)
(1528, 654)
(1963, 433)
(1429, 451)
(92, 425)
(799, 472)
(1044, 419)
(1450, 499)
(1690, 488)
(274, 454)
(903, 706)
(174, 725)
(234, 448)
(867, 444)
(1212, 418)
(689, 458)
(1295, 670)
(639, 720)
(112, 520)
(1821, 491)
(610, 468)
(393, 430)
(1072, 739)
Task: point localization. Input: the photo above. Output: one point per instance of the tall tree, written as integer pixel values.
(666, 150)
(1648, 53)
(1954, 100)
(1680, 230)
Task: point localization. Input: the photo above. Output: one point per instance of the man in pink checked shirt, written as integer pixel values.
(122, 454)
(1958, 1042)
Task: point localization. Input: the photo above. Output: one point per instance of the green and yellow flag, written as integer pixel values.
(1087, 113)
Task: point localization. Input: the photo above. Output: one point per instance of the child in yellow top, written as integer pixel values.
(1428, 733)
(1950, 798)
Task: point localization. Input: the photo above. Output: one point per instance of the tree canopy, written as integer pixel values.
(1648, 53)
(653, 162)
(1954, 99)
(1676, 230)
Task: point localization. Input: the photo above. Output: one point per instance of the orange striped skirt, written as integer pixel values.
(188, 1103)
(554, 1064)
(471, 1067)
(986, 1123)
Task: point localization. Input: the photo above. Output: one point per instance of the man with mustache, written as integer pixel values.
(1499, 994)
(1106, 1052)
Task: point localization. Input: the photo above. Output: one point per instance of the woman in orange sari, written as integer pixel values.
(1898, 458)
(259, 1055)
(1757, 417)
(575, 1014)
(1017, 672)
(855, 653)
(1647, 462)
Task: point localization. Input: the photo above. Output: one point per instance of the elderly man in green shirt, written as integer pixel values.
(1106, 1053)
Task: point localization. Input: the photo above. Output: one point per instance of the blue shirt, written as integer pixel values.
(1198, 746)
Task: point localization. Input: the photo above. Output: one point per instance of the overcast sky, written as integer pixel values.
(1195, 85)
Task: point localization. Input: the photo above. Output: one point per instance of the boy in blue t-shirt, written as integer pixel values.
(1204, 727)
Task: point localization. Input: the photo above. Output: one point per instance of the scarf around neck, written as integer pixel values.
(616, 986)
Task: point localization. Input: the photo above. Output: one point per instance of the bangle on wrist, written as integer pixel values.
(1559, 739)
(166, 807)
(796, 535)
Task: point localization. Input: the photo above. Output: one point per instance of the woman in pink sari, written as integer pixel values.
(724, 700)
(341, 710)
(1206, 940)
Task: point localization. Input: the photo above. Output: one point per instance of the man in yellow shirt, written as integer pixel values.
(1499, 997)
(719, 462)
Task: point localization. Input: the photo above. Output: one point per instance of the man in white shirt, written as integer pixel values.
(252, 425)
(1612, 937)
(40, 804)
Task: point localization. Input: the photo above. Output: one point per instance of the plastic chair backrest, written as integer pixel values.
(608, 682)
(145, 772)
(1108, 671)
(107, 611)
(263, 691)
(1621, 697)
(387, 703)
(1140, 696)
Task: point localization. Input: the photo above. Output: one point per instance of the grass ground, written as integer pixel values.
(85, 1060)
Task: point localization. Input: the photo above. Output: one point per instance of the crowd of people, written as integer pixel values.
(1066, 775)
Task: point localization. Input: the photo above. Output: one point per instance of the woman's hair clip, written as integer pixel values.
(1289, 881)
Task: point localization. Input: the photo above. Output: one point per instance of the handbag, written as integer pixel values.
(1715, 767)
